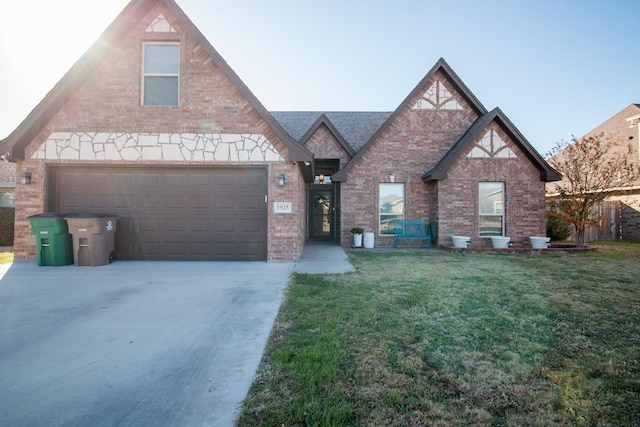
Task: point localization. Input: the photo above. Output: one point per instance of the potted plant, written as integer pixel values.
(357, 236)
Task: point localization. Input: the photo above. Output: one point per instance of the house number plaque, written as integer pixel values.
(281, 207)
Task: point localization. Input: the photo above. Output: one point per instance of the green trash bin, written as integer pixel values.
(53, 241)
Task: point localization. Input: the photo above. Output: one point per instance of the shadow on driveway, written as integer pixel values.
(133, 343)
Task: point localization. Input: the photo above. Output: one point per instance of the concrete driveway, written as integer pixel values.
(133, 343)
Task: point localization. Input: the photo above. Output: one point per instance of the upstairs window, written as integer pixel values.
(491, 203)
(160, 73)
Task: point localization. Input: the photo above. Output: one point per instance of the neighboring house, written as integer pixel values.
(619, 215)
(152, 125)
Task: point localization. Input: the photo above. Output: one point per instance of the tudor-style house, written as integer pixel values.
(152, 125)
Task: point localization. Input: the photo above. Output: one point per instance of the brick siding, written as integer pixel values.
(412, 145)
(325, 146)
(209, 103)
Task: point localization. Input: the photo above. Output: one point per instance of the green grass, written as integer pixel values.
(457, 339)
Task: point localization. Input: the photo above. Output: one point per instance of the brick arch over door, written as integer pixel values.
(171, 213)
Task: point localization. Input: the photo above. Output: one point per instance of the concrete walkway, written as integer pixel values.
(319, 257)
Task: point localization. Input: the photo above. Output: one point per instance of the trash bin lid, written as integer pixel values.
(90, 215)
(51, 215)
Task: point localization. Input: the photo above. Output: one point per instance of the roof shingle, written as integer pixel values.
(355, 127)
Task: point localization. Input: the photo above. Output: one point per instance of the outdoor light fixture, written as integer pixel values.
(281, 179)
(26, 178)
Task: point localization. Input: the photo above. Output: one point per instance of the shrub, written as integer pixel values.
(557, 228)
(7, 216)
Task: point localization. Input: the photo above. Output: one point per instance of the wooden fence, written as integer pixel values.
(615, 221)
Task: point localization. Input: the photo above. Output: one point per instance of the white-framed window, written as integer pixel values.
(160, 73)
(491, 209)
(390, 206)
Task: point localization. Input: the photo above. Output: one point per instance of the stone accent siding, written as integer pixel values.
(156, 146)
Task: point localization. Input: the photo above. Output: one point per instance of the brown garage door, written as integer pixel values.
(172, 213)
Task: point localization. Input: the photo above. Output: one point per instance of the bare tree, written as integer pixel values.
(593, 168)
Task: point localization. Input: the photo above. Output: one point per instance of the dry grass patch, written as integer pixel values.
(6, 257)
(457, 339)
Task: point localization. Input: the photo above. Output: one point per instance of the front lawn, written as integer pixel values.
(457, 339)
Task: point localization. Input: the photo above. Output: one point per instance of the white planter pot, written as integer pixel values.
(368, 240)
(539, 242)
(461, 241)
(357, 240)
(500, 242)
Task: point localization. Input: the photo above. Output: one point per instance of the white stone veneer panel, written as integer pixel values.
(146, 139)
(171, 152)
(69, 154)
(86, 151)
(111, 152)
(256, 155)
(101, 138)
(164, 138)
(151, 153)
(222, 153)
(130, 153)
(51, 149)
(75, 142)
(157, 146)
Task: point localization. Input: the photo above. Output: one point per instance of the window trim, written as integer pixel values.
(502, 204)
(404, 199)
(144, 75)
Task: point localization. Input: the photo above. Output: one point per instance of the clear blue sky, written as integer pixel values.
(557, 68)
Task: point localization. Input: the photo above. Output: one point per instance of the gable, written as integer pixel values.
(160, 20)
(431, 118)
(324, 124)
(493, 137)
(324, 144)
